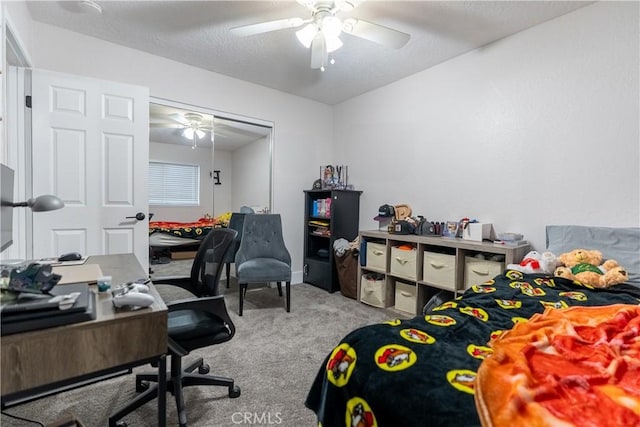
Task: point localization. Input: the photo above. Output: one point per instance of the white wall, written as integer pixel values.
(538, 128)
(248, 163)
(302, 128)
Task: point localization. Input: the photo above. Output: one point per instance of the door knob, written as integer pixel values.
(139, 216)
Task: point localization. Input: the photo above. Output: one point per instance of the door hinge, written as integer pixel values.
(27, 101)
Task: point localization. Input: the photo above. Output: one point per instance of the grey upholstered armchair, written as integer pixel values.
(262, 256)
(236, 222)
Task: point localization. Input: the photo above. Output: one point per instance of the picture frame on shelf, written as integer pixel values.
(334, 177)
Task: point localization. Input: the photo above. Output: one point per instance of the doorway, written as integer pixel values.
(15, 150)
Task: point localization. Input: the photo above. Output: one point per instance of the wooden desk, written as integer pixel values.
(36, 361)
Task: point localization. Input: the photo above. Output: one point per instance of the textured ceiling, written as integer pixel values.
(197, 33)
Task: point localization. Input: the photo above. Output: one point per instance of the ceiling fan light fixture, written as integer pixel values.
(333, 43)
(307, 34)
(190, 132)
(332, 26)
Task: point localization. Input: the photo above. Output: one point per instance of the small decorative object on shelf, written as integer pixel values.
(334, 177)
(451, 230)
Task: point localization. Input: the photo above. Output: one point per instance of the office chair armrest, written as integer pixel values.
(214, 305)
(181, 282)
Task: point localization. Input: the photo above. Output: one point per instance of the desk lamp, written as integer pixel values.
(43, 203)
(34, 277)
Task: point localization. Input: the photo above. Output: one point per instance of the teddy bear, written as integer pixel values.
(536, 262)
(586, 267)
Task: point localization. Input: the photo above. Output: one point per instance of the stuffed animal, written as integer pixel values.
(586, 267)
(536, 262)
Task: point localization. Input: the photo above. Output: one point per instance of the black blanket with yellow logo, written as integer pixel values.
(421, 372)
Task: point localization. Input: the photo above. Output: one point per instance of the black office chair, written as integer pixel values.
(262, 256)
(236, 222)
(193, 323)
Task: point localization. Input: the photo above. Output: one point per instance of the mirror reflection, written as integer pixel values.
(209, 164)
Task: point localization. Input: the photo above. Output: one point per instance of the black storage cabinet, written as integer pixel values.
(343, 222)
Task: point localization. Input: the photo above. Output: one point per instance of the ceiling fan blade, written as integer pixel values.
(347, 5)
(265, 27)
(376, 33)
(166, 125)
(178, 118)
(319, 52)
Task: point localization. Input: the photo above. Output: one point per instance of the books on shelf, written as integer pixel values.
(322, 208)
(319, 228)
(321, 231)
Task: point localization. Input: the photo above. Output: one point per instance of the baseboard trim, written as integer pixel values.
(296, 277)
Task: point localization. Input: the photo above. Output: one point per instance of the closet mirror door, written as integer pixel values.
(225, 158)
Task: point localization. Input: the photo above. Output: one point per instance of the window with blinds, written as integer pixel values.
(173, 184)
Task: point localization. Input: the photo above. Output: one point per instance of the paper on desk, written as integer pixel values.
(84, 273)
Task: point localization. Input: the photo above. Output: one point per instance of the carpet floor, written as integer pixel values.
(273, 358)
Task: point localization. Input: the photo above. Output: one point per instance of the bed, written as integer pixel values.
(165, 235)
(172, 233)
(421, 371)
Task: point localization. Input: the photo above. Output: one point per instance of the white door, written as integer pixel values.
(91, 149)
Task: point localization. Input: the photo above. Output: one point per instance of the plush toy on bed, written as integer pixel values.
(586, 267)
(536, 262)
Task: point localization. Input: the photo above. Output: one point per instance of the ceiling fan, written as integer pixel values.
(322, 31)
(193, 126)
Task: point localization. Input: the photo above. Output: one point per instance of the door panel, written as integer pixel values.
(68, 182)
(118, 171)
(90, 148)
(119, 240)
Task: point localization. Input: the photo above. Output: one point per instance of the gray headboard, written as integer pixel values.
(621, 244)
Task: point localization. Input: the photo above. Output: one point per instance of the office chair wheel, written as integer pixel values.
(203, 369)
(142, 386)
(234, 391)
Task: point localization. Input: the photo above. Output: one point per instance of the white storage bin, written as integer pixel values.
(406, 297)
(373, 291)
(376, 256)
(403, 263)
(440, 269)
(477, 231)
(478, 271)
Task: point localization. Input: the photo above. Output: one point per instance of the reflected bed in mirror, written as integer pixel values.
(229, 156)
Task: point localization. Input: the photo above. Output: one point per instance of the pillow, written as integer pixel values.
(621, 244)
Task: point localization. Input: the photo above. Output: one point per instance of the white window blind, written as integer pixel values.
(172, 184)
